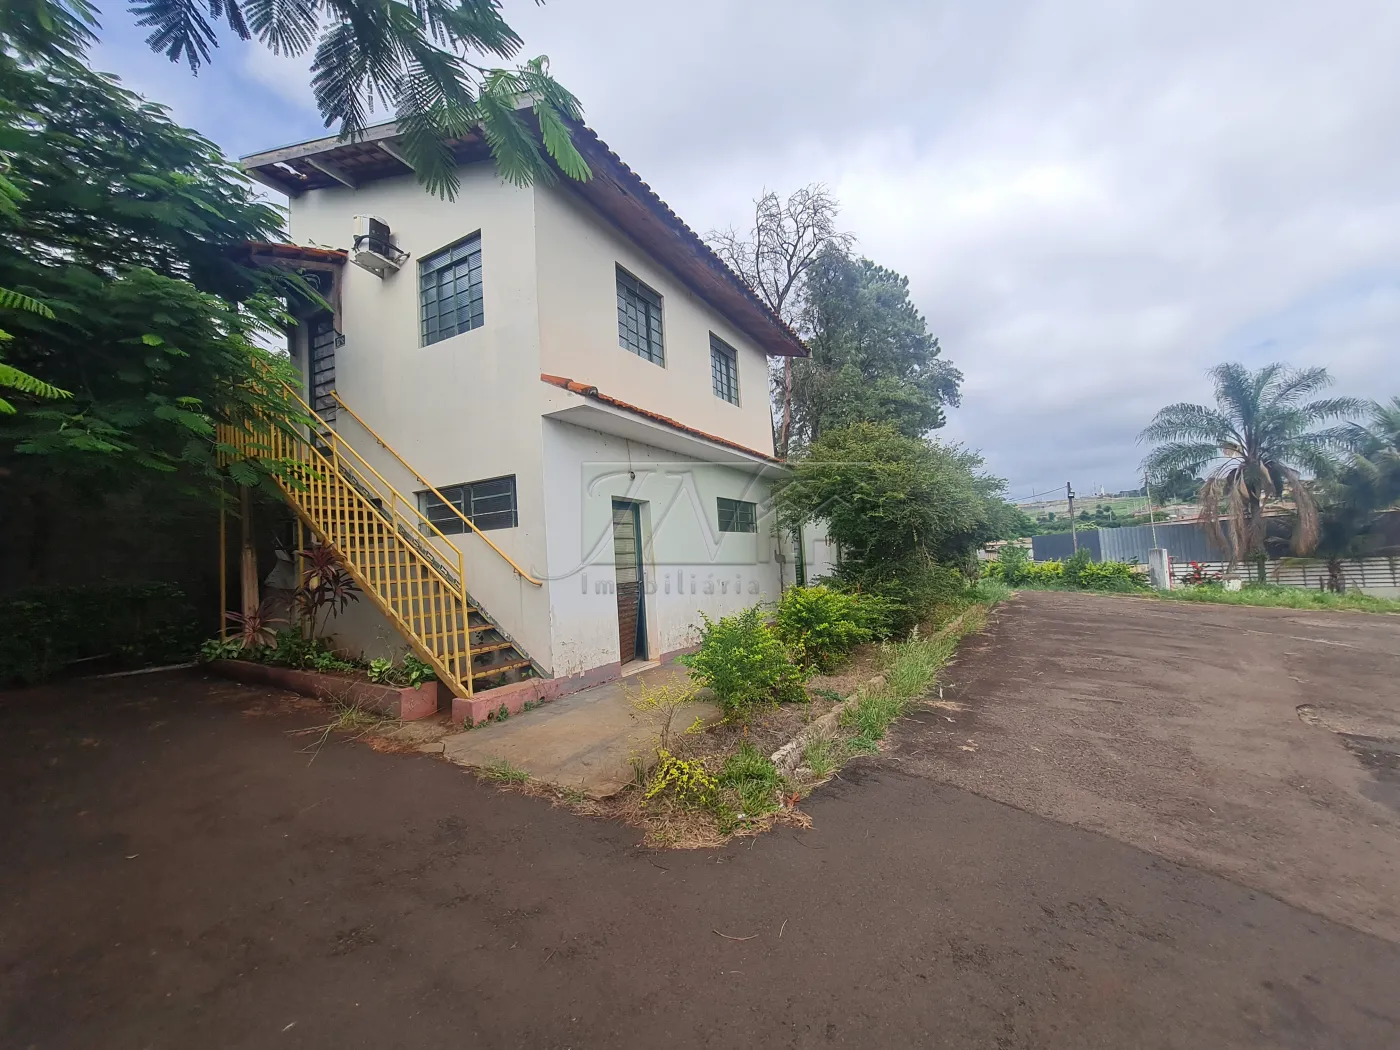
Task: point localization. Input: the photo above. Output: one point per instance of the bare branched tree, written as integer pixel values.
(774, 256)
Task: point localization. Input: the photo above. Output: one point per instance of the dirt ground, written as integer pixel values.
(176, 870)
(1261, 744)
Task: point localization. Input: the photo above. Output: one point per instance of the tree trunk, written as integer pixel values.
(786, 433)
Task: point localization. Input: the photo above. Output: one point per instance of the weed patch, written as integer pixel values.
(501, 770)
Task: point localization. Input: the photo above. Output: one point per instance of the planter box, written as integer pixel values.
(390, 701)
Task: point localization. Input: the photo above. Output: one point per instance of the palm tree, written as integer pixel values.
(1366, 487)
(1262, 436)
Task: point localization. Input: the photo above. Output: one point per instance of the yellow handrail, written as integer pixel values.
(428, 612)
(431, 488)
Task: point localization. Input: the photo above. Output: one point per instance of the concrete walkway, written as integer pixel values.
(586, 741)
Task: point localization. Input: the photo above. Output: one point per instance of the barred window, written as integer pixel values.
(639, 318)
(737, 515)
(724, 369)
(489, 504)
(450, 290)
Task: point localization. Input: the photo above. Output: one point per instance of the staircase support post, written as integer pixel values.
(248, 560)
(223, 564)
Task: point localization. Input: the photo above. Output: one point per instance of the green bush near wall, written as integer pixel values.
(44, 630)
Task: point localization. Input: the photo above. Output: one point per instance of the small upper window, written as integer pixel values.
(737, 515)
(639, 318)
(724, 369)
(450, 290)
(488, 504)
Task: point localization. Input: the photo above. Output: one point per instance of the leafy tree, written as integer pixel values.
(1261, 435)
(1176, 486)
(411, 56)
(906, 512)
(873, 359)
(122, 225)
(774, 257)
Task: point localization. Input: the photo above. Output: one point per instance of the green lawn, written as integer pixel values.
(1269, 594)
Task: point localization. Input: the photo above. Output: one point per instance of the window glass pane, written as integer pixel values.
(639, 318)
(451, 283)
(724, 371)
(737, 515)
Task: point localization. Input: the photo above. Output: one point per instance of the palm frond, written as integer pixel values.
(1306, 528)
(1334, 408)
(1179, 455)
(1187, 422)
(178, 28)
(287, 27)
(1237, 390)
(1285, 387)
(13, 300)
(15, 379)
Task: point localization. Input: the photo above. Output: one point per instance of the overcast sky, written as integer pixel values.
(1094, 200)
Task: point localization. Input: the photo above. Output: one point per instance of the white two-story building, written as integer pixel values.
(568, 365)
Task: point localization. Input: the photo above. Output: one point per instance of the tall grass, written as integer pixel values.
(911, 669)
(1276, 596)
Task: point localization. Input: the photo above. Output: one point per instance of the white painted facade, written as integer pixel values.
(474, 407)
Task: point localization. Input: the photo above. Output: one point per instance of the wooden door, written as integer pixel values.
(631, 599)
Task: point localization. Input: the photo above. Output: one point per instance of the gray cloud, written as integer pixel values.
(1093, 201)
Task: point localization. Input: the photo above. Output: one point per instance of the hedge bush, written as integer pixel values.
(744, 662)
(45, 629)
(1080, 572)
(820, 625)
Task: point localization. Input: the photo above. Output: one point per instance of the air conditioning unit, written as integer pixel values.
(373, 248)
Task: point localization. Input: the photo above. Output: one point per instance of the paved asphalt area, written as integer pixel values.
(176, 872)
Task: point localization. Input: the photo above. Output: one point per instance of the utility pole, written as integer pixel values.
(1073, 533)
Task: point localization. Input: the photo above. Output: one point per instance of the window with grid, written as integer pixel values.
(737, 515)
(724, 369)
(450, 290)
(489, 504)
(639, 318)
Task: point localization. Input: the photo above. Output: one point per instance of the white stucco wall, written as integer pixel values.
(689, 564)
(469, 408)
(464, 408)
(578, 253)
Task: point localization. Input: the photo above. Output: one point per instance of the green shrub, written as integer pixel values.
(1046, 573)
(685, 780)
(743, 661)
(410, 673)
(1111, 576)
(906, 592)
(820, 626)
(135, 624)
(1010, 564)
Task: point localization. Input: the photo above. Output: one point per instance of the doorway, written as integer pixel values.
(631, 594)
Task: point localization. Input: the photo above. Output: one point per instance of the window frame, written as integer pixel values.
(633, 288)
(720, 350)
(476, 291)
(734, 517)
(466, 498)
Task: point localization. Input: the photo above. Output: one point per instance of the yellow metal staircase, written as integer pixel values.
(385, 543)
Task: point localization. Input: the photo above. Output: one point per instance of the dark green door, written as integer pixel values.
(631, 595)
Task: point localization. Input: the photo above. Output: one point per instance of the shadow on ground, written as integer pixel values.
(179, 872)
